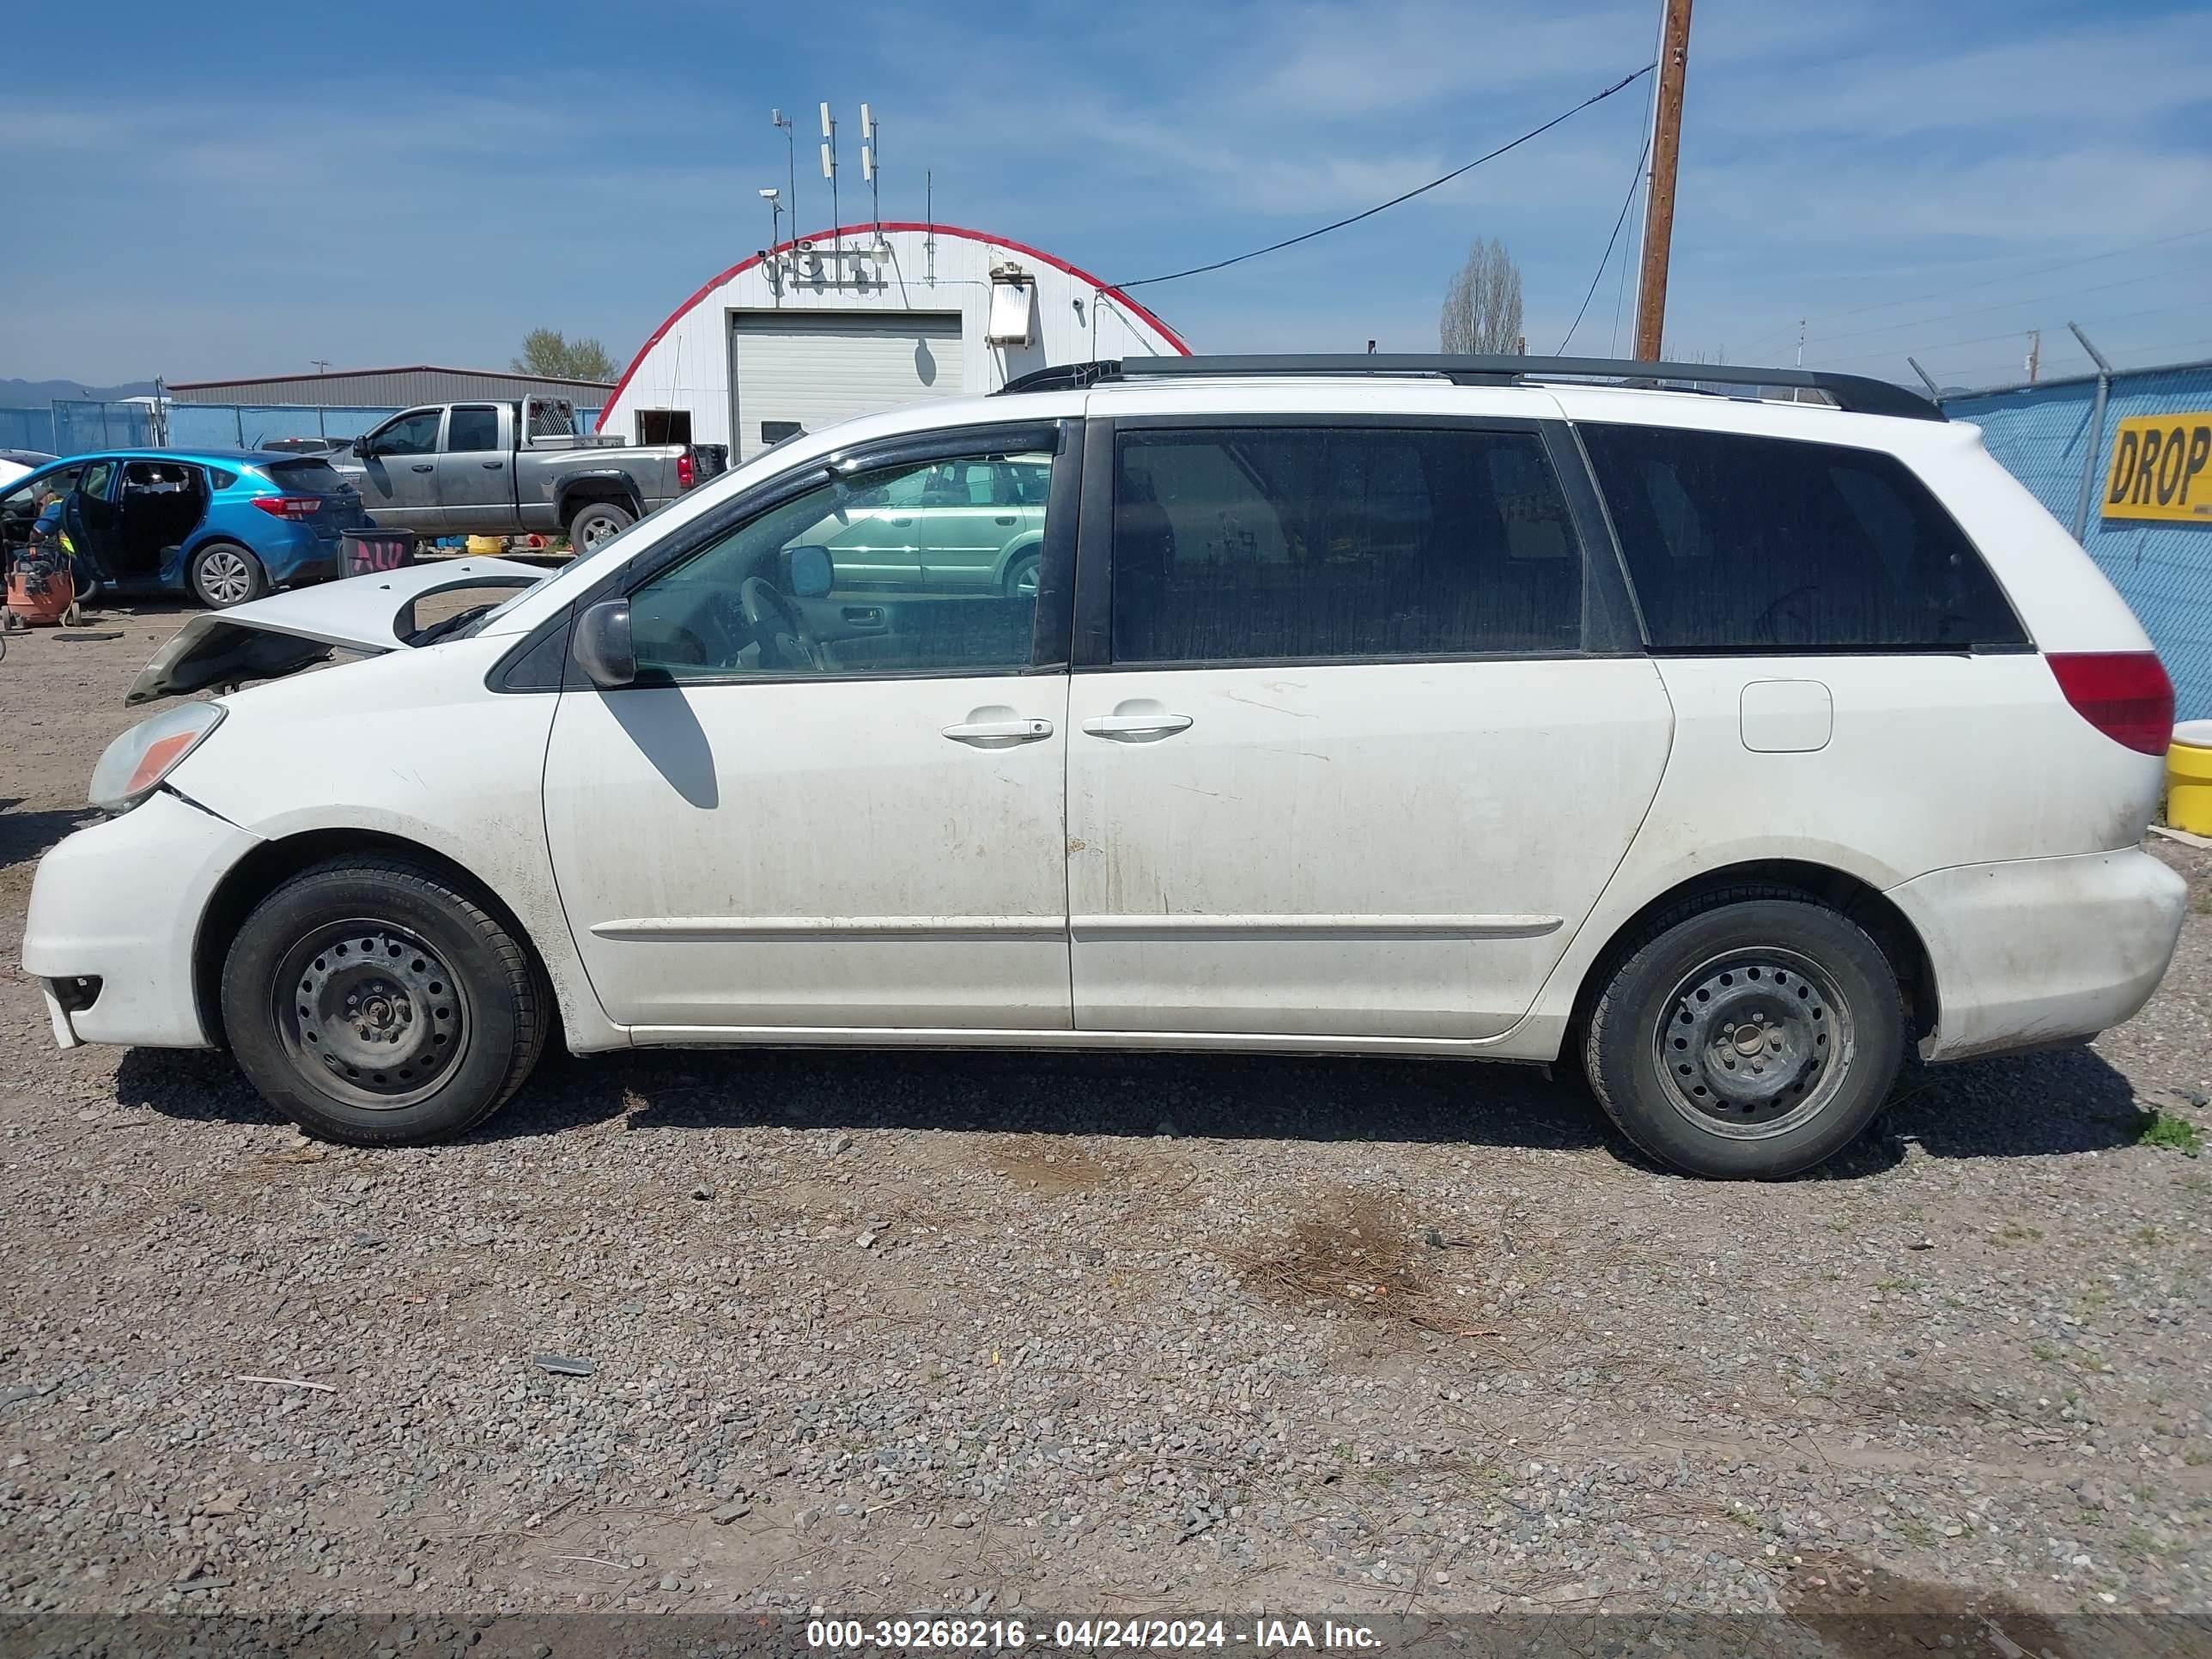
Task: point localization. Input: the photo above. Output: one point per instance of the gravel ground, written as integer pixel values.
(884, 1333)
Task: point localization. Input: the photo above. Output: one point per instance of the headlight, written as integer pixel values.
(136, 762)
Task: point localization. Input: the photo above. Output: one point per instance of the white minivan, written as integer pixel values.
(1472, 708)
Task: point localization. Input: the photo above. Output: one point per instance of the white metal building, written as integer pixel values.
(859, 320)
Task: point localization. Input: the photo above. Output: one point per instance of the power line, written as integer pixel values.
(1619, 219)
(2015, 333)
(2001, 305)
(1293, 241)
(1987, 282)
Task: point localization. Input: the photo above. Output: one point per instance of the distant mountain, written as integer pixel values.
(37, 394)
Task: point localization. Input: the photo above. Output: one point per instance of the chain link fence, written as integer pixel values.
(79, 427)
(2044, 435)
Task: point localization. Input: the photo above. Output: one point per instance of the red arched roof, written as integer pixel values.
(1023, 248)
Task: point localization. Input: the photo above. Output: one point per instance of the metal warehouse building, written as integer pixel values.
(387, 388)
(2125, 460)
(859, 320)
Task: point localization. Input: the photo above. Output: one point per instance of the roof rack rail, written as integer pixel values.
(1860, 394)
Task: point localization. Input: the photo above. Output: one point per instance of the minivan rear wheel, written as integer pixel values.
(1746, 1037)
(376, 1003)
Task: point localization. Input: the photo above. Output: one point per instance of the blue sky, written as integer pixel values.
(403, 183)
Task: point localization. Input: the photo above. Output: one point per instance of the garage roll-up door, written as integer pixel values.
(806, 371)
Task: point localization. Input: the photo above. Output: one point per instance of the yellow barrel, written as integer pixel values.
(486, 547)
(2189, 778)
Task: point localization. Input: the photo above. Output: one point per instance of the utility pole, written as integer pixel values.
(2035, 353)
(1659, 202)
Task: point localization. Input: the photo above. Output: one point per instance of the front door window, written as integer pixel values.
(919, 569)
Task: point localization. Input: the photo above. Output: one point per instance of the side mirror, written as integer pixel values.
(807, 572)
(359, 448)
(602, 645)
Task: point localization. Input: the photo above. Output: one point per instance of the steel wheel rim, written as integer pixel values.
(1025, 581)
(596, 529)
(371, 1013)
(1753, 1043)
(224, 579)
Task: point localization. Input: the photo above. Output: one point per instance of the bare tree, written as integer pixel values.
(1482, 312)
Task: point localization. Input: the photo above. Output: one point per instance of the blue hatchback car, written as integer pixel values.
(224, 525)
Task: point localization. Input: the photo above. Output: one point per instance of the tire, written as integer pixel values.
(594, 522)
(446, 1000)
(1021, 577)
(223, 573)
(1781, 1027)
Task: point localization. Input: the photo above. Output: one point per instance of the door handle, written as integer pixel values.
(1136, 728)
(901, 524)
(982, 733)
(421, 466)
(1005, 517)
(493, 466)
(864, 616)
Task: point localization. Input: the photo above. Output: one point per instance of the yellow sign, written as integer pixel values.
(2160, 469)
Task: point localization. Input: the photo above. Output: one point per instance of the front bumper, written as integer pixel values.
(121, 903)
(2033, 951)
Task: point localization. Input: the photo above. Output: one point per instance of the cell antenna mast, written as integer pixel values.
(777, 117)
(871, 166)
(1659, 209)
(830, 166)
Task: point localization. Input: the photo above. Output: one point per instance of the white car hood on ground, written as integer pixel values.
(267, 638)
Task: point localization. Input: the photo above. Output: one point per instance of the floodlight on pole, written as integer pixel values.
(774, 198)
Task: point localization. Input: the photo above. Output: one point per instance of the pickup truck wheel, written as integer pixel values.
(223, 573)
(375, 1003)
(1747, 1037)
(594, 522)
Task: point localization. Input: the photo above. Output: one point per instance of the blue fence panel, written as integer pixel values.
(204, 426)
(79, 426)
(2164, 571)
(27, 428)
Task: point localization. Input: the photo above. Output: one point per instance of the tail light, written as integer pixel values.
(2124, 694)
(686, 474)
(295, 507)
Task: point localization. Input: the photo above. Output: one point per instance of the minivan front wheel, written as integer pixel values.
(1747, 1036)
(376, 1003)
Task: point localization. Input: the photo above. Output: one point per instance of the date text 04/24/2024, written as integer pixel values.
(1259, 1635)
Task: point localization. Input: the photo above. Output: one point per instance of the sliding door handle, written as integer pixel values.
(1136, 728)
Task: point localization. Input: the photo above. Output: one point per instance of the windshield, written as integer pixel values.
(476, 625)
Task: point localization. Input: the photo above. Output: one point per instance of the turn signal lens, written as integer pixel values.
(136, 762)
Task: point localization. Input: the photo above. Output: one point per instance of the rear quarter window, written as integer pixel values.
(305, 477)
(1738, 543)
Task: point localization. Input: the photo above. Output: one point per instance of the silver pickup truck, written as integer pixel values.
(505, 469)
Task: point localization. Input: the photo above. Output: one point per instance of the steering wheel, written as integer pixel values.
(778, 625)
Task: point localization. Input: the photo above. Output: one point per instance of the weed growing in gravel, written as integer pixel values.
(2046, 1353)
(2160, 1128)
